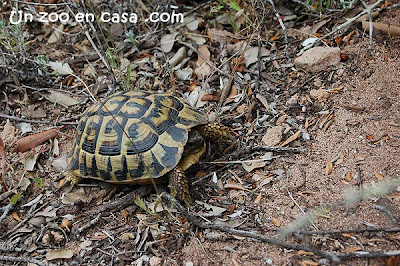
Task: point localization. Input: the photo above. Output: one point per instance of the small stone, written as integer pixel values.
(321, 95)
(273, 136)
(318, 58)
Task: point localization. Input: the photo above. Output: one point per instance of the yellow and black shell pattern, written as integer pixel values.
(130, 137)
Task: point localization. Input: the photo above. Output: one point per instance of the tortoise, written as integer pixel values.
(137, 137)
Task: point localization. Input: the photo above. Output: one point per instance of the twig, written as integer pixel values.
(357, 231)
(23, 221)
(6, 209)
(297, 204)
(21, 259)
(36, 121)
(86, 226)
(190, 216)
(5, 195)
(344, 25)
(250, 150)
(386, 211)
(122, 202)
(282, 26)
(334, 256)
(211, 64)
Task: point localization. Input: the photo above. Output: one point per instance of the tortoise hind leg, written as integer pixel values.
(179, 185)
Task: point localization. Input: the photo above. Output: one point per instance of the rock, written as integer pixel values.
(273, 136)
(321, 95)
(318, 58)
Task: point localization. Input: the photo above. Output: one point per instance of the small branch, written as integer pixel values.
(355, 231)
(387, 212)
(86, 226)
(36, 121)
(250, 150)
(211, 64)
(6, 209)
(346, 24)
(21, 259)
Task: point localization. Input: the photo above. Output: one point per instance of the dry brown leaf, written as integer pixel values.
(369, 137)
(250, 166)
(235, 186)
(379, 176)
(291, 138)
(124, 213)
(276, 222)
(263, 100)
(67, 224)
(328, 167)
(307, 253)
(393, 261)
(352, 249)
(59, 254)
(309, 263)
(2, 153)
(348, 177)
(29, 142)
(203, 50)
(16, 216)
(348, 235)
(258, 199)
(98, 236)
(387, 29)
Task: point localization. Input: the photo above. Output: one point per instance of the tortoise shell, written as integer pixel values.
(130, 137)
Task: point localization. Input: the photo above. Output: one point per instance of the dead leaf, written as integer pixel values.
(61, 98)
(56, 34)
(328, 167)
(387, 29)
(167, 42)
(291, 138)
(302, 252)
(258, 199)
(66, 224)
(29, 142)
(124, 213)
(348, 177)
(351, 249)
(16, 216)
(251, 55)
(59, 254)
(8, 134)
(309, 263)
(61, 69)
(215, 210)
(203, 50)
(276, 222)
(237, 186)
(379, 176)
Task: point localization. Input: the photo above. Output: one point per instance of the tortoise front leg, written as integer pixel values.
(179, 185)
(217, 133)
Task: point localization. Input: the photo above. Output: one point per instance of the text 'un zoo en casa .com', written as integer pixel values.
(17, 17)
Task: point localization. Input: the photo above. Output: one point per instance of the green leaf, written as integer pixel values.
(39, 182)
(128, 77)
(15, 198)
(234, 5)
(234, 26)
(141, 204)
